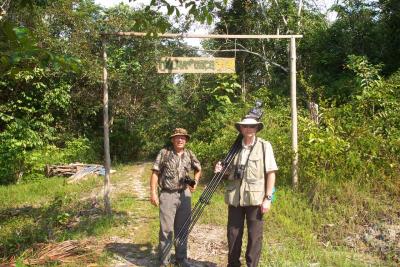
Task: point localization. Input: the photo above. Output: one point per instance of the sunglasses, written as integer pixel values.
(249, 125)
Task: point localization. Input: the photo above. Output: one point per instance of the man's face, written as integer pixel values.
(179, 141)
(248, 130)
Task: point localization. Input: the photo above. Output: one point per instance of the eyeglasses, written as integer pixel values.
(249, 125)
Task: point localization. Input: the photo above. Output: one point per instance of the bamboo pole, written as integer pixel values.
(295, 159)
(202, 36)
(107, 159)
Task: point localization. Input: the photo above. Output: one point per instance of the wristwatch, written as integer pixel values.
(268, 197)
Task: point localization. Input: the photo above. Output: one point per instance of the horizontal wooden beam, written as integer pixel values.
(200, 36)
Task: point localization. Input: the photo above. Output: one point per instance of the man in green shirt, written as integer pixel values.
(170, 169)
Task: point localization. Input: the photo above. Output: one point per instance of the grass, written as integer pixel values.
(297, 235)
(39, 192)
(215, 212)
(46, 210)
(304, 228)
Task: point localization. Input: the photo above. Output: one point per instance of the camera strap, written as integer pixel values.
(248, 156)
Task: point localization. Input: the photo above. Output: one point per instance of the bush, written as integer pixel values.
(20, 162)
(16, 141)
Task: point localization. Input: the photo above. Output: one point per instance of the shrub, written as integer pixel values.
(20, 162)
(16, 141)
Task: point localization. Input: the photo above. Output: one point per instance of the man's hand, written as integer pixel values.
(218, 167)
(192, 189)
(154, 199)
(265, 206)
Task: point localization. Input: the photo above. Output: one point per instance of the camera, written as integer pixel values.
(239, 172)
(256, 112)
(189, 181)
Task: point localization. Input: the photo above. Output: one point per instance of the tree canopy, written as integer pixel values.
(51, 110)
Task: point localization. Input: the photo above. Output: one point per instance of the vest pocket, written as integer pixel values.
(232, 193)
(255, 167)
(254, 192)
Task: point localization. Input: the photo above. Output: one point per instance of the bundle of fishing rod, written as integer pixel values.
(210, 189)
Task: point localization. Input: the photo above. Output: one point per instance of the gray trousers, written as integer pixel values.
(236, 217)
(175, 209)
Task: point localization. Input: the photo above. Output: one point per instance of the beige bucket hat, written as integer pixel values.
(249, 121)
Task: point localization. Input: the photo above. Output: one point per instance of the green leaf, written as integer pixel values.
(209, 19)
(170, 10)
(189, 4)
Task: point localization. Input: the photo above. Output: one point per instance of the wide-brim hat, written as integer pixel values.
(181, 132)
(249, 121)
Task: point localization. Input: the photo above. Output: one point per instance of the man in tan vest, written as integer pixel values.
(251, 179)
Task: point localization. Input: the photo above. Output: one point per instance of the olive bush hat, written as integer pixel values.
(249, 121)
(180, 131)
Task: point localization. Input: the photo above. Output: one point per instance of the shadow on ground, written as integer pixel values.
(144, 255)
(137, 254)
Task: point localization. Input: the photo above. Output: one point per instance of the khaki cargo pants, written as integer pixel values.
(175, 208)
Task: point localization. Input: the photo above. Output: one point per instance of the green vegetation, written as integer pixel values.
(53, 211)
(296, 234)
(345, 209)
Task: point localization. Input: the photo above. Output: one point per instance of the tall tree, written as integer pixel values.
(264, 63)
(390, 19)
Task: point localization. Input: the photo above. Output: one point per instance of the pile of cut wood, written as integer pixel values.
(74, 171)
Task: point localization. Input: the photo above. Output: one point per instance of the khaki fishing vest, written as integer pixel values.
(250, 190)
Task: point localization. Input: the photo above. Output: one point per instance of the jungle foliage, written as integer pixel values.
(51, 84)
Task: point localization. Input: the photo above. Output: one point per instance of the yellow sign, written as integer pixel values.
(196, 65)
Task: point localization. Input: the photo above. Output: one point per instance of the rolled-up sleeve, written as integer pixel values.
(270, 163)
(157, 162)
(196, 163)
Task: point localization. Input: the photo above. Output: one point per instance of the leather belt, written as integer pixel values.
(180, 190)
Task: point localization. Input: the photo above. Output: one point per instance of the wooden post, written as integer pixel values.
(107, 159)
(202, 36)
(295, 159)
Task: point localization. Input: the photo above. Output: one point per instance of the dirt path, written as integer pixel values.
(208, 245)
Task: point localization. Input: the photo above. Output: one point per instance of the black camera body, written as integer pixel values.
(239, 172)
(189, 181)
